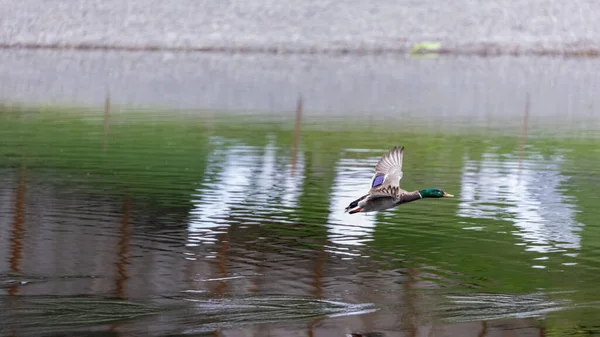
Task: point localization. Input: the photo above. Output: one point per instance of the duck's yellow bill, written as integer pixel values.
(448, 195)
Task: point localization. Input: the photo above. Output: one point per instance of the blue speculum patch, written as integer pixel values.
(378, 181)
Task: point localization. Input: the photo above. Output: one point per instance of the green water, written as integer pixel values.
(207, 208)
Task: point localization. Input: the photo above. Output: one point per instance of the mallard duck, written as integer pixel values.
(385, 189)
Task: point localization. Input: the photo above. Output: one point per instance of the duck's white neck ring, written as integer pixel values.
(420, 196)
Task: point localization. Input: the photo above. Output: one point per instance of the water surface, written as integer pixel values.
(163, 223)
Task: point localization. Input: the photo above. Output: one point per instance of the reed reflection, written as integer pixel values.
(17, 231)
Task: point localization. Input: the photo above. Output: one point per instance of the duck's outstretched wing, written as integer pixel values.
(388, 173)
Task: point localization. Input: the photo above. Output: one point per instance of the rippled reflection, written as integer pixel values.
(351, 182)
(531, 194)
(228, 175)
(242, 184)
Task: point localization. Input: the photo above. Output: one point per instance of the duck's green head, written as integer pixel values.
(435, 193)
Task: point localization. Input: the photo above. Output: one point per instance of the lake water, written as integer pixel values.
(169, 222)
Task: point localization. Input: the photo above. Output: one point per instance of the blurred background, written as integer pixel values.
(182, 169)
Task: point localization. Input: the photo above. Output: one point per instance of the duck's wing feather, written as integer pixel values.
(388, 172)
(387, 192)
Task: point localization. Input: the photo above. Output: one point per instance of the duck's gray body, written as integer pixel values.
(379, 204)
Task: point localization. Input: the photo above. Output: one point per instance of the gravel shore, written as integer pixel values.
(307, 26)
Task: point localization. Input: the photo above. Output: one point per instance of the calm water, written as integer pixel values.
(148, 223)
